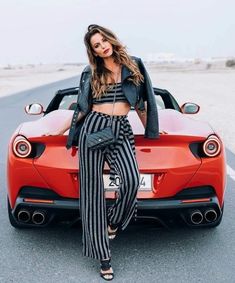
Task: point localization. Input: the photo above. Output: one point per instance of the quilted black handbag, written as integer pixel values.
(100, 139)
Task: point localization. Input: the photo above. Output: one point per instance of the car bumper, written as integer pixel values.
(161, 210)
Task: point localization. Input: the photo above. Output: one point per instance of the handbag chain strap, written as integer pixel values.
(114, 99)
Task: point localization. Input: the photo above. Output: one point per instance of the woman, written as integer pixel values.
(111, 73)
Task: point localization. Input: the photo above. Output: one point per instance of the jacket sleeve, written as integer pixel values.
(83, 106)
(72, 129)
(147, 94)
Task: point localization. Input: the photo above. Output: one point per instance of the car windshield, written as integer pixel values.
(68, 102)
(160, 102)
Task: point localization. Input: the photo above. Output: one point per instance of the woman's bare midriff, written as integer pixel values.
(120, 108)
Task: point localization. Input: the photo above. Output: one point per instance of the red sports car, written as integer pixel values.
(183, 174)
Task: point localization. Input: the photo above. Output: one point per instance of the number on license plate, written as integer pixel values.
(145, 182)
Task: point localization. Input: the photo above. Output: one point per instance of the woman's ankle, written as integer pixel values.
(105, 264)
(106, 259)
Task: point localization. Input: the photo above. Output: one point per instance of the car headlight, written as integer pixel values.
(212, 146)
(22, 147)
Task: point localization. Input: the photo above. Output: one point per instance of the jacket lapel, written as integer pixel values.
(129, 89)
(125, 73)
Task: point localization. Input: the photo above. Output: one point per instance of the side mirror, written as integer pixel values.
(34, 109)
(190, 108)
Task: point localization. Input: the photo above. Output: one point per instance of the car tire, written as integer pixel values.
(12, 219)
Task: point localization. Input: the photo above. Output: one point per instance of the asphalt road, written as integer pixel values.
(142, 253)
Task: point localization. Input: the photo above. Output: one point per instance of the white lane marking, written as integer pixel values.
(231, 172)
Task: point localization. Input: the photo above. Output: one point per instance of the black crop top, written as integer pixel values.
(109, 95)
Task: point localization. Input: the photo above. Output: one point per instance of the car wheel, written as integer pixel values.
(11, 218)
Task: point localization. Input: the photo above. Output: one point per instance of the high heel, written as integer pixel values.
(105, 265)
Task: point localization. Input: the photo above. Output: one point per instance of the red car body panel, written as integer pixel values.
(184, 182)
(169, 158)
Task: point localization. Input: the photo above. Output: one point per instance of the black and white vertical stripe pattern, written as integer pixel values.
(114, 90)
(121, 159)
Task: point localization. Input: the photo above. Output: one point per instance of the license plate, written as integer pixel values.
(145, 182)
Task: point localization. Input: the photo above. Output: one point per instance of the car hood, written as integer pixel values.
(174, 122)
(171, 122)
(49, 123)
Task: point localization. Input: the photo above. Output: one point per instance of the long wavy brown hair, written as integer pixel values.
(100, 74)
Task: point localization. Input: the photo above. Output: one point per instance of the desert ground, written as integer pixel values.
(209, 84)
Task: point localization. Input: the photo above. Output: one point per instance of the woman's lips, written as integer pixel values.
(105, 51)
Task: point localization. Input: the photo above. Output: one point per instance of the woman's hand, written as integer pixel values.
(54, 133)
(142, 115)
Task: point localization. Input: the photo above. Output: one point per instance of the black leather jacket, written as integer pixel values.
(134, 94)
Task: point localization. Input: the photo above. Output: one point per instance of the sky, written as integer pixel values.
(52, 31)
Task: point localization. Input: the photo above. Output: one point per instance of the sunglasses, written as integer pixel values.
(91, 27)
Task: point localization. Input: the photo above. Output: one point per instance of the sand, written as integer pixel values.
(209, 84)
(213, 90)
(18, 78)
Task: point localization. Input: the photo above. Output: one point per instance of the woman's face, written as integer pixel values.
(100, 45)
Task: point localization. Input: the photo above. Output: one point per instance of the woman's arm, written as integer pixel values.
(147, 94)
(68, 122)
(65, 126)
(142, 113)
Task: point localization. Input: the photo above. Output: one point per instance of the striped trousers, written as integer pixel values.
(121, 159)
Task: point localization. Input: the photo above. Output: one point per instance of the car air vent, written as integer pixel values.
(201, 192)
(35, 192)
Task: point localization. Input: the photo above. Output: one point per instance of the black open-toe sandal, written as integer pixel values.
(105, 265)
(112, 234)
